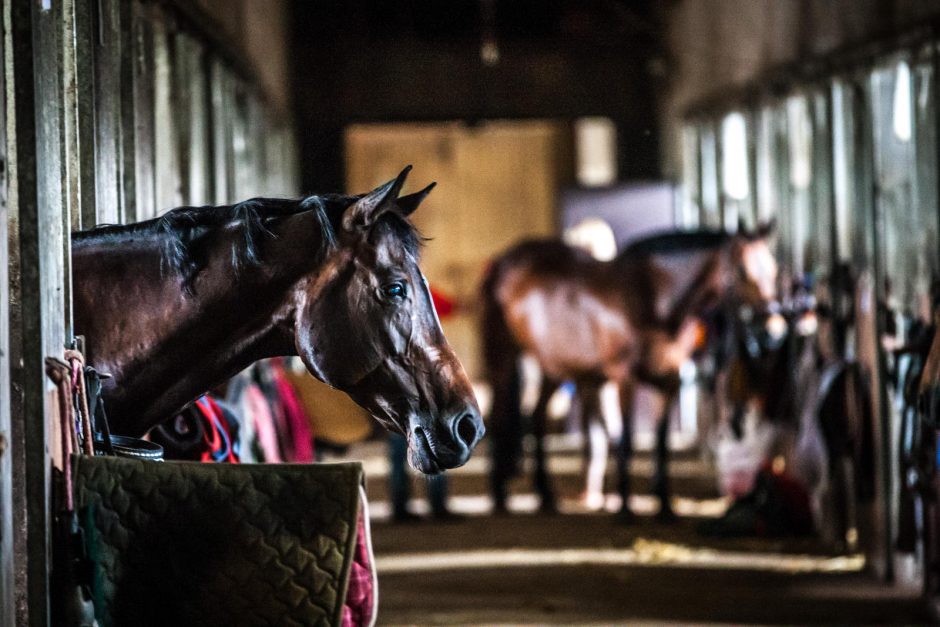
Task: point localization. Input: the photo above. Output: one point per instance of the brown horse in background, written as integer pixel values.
(630, 320)
(175, 306)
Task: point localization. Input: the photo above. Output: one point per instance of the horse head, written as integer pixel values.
(756, 280)
(366, 325)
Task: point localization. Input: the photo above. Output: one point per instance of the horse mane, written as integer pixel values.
(186, 231)
(672, 242)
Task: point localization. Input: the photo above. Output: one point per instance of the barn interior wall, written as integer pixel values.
(421, 61)
(259, 28)
(837, 66)
(116, 110)
(716, 47)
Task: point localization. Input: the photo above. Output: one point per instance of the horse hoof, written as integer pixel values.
(548, 507)
(666, 515)
(447, 516)
(626, 517)
(405, 518)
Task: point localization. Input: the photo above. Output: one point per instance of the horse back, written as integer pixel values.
(558, 303)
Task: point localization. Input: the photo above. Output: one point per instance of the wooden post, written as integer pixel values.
(38, 316)
(7, 596)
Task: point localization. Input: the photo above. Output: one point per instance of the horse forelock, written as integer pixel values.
(402, 230)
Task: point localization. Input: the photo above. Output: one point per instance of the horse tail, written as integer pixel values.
(501, 355)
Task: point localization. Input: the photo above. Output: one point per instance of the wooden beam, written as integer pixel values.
(139, 123)
(7, 566)
(38, 310)
(107, 110)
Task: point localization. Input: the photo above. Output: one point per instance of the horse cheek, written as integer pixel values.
(327, 341)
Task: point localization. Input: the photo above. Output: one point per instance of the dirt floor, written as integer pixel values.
(579, 567)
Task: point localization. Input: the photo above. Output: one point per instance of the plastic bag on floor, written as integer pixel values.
(738, 461)
(777, 506)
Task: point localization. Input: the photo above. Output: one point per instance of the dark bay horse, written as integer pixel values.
(174, 306)
(630, 320)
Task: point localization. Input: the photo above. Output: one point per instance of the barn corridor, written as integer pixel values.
(585, 568)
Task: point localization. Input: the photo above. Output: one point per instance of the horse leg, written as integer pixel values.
(625, 452)
(543, 483)
(737, 421)
(505, 433)
(595, 456)
(661, 474)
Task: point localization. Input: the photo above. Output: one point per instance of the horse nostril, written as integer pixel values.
(465, 430)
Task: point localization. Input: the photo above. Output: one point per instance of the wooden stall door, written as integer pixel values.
(497, 184)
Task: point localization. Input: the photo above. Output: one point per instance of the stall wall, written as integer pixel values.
(115, 111)
(715, 46)
(830, 111)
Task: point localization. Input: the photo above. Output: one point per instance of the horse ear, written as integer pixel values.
(408, 204)
(363, 213)
(767, 229)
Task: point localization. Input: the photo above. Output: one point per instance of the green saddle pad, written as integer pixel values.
(179, 543)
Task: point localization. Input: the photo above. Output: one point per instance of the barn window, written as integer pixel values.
(690, 189)
(895, 167)
(800, 134)
(771, 164)
(818, 251)
(735, 170)
(711, 207)
(596, 147)
(926, 195)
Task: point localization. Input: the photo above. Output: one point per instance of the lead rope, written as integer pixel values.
(72, 573)
(77, 362)
(60, 374)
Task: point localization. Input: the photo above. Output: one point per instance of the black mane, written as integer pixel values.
(673, 242)
(187, 230)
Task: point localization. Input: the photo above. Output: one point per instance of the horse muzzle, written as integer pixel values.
(445, 443)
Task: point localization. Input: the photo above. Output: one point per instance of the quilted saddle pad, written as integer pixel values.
(181, 543)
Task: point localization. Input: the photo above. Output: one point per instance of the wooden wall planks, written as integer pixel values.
(110, 121)
(497, 184)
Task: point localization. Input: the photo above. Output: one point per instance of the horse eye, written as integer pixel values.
(394, 291)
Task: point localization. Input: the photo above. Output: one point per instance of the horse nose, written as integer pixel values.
(467, 429)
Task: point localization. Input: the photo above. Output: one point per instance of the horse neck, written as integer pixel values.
(683, 283)
(165, 345)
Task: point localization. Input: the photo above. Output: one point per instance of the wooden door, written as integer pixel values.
(497, 184)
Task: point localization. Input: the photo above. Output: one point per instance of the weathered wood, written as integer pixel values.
(191, 114)
(7, 566)
(128, 153)
(92, 98)
(180, 71)
(141, 58)
(166, 152)
(243, 181)
(38, 307)
(223, 166)
(107, 49)
(71, 154)
(84, 25)
(200, 152)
